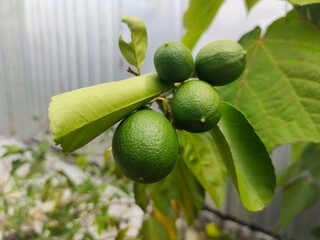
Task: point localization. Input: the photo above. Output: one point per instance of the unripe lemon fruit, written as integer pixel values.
(196, 106)
(173, 62)
(220, 62)
(145, 146)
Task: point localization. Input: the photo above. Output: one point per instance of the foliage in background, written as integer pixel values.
(43, 197)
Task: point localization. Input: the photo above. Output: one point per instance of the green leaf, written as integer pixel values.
(135, 51)
(152, 229)
(78, 116)
(296, 197)
(201, 156)
(191, 192)
(140, 196)
(310, 157)
(198, 18)
(122, 233)
(12, 149)
(279, 91)
(246, 159)
(250, 4)
(304, 2)
(16, 165)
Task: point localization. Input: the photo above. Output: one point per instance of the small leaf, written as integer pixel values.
(198, 18)
(140, 196)
(152, 229)
(122, 234)
(246, 159)
(78, 116)
(310, 157)
(296, 197)
(12, 149)
(135, 51)
(201, 156)
(304, 2)
(16, 165)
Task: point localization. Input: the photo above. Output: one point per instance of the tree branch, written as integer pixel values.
(251, 226)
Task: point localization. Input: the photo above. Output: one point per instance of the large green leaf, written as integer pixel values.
(198, 18)
(201, 156)
(279, 91)
(246, 159)
(78, 116)
(296, 197)
(191, 191)
(135, 51)
(164, 193)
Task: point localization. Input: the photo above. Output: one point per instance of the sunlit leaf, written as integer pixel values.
(198, 18)
(201, 156)
(296, 197)
(135, 51)
(246, 159)
(280, 89)
(78, 116)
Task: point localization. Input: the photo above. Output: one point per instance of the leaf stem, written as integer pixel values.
(130, 70)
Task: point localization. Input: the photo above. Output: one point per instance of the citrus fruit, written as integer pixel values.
(145, 146)
(220, 62)
(173, 62)
(196, 106)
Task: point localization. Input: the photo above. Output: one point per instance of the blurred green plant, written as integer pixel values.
(42, 198)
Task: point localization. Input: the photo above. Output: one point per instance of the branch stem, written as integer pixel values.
(251, 226)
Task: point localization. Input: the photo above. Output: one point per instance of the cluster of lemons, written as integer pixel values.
(145, 145)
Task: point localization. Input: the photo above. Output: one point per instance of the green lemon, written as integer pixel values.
(220, 62)
(173, 62)
(145, 146)
(196, 106)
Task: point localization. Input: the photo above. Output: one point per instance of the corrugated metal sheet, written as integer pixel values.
(53, 46)
(48, 47)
